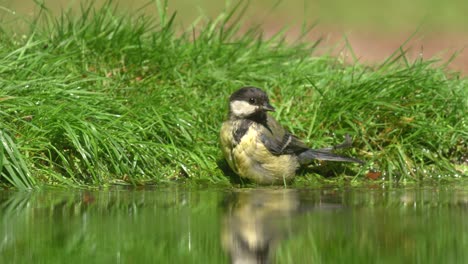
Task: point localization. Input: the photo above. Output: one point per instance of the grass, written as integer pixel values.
(107, 98)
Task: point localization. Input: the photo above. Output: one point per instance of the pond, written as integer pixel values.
(372, 224)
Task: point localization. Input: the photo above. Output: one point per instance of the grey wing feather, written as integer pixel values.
(279, 141)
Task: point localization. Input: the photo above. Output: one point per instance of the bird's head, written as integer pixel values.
(249, 101)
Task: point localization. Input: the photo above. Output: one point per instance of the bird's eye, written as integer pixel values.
(252, 100)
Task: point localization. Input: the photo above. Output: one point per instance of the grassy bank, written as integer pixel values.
(105, 98)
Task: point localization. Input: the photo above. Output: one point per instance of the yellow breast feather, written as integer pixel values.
(254, 161)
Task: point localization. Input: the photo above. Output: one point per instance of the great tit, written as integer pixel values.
(258, 148)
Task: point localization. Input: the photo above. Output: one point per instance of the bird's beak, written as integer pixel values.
(267, 107)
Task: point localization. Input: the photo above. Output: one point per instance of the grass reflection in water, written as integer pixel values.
(174, 225)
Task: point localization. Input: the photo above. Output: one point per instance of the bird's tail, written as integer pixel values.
(308, 156)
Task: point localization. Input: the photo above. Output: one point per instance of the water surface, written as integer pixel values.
(179, 225)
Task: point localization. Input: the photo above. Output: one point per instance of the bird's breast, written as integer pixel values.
(249, 157)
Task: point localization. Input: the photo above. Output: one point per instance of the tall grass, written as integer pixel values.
(105, 98)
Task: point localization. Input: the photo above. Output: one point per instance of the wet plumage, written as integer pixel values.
(258, 148)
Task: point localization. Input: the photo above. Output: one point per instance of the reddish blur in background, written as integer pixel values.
(373, 29)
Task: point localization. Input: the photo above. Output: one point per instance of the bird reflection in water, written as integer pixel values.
(255, 221)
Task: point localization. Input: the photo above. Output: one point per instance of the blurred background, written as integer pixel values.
(373, 29)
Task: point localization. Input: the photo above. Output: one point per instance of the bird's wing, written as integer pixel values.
(280, 141)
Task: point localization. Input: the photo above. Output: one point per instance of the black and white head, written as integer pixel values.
(249, 101)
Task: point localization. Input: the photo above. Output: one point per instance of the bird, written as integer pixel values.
(259, 148)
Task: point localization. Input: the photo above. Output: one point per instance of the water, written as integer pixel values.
(179, 225)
